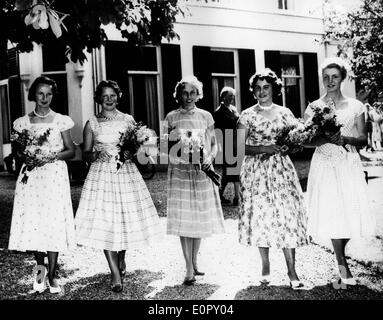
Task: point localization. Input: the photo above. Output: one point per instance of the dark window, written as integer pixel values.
(53, 57)
(5, 117)
(60, 100)
(142, 59)
(222, 62)
(283, 4)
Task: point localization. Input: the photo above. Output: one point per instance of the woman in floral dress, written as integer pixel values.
(193, 206)
(42, 219)
(272, 211)
(338, 206)
(116, 211)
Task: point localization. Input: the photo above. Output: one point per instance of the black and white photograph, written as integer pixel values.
(204, 151)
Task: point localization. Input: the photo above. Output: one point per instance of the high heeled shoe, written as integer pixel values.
(198, 273)
(265, 279)
(40, 286)
(118, 287)
(297, 285)
(56, 289)
(189, 282)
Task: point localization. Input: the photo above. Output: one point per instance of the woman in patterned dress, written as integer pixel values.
(272, 211)
(42, 219)
(193, 206)
(338, 207)
(116, 211)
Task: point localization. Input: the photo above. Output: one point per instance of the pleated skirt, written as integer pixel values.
(116, 211)
(193, 206)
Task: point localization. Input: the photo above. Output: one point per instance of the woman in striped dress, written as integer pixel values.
(193, 206)
(115, 210)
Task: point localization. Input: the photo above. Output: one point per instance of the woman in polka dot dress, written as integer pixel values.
(42, 218)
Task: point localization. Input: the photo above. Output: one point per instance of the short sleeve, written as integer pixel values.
(359, 108)
(291, 120)
(244, 119)
(309, 111)
(64, 122)
(209, 120)
(166, 124)
(20, 124)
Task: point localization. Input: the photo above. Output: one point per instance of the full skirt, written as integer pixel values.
(116, 211)
(42, 218)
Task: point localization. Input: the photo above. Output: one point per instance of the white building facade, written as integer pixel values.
(222, 43)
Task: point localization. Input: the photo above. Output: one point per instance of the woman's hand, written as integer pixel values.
(103, 155)
(337, 139)
(128, 155)
(207, 160)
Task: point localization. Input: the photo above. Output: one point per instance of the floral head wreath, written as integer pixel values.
(267, 74)
(193, 81)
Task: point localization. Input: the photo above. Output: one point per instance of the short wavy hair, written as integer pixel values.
(181, 85)
(225, 91)
(41, 80)
(271, 77)
(337, 63)
(107, 84)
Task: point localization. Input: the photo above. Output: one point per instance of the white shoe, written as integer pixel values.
(349, 281)
(40, 286)
(54, 289)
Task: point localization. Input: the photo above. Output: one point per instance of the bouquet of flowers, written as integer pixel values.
(192, 144)
(136, 138)
(34, 147)
(293, 136)
(324, 121)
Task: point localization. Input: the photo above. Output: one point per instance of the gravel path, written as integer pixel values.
(157, 272)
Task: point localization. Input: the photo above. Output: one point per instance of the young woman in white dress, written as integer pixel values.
(116, 211)
(42, 219)
(338, 207)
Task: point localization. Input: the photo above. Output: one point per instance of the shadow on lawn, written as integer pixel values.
(180, 292)
(325, 292)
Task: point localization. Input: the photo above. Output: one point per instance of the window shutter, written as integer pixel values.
(310, 64)
(202, 70)
(116, 61)
(273, 61)
(171, 73)
(246, 70)
(15, 98)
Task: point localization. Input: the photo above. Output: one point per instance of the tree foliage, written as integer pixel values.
(139, 21)
(361, 31)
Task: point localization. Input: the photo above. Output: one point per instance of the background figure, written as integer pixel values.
(376, 120)
(369, 121)
(42, 219)
(116, 210)
(193, 206)
(272, 211)
(226, 118)
(337, 199)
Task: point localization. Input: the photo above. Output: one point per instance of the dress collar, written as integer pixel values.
(183, 111)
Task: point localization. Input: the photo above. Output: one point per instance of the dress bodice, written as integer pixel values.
(347, 118)
(60, 123)
(106, 134)
(262, 131)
